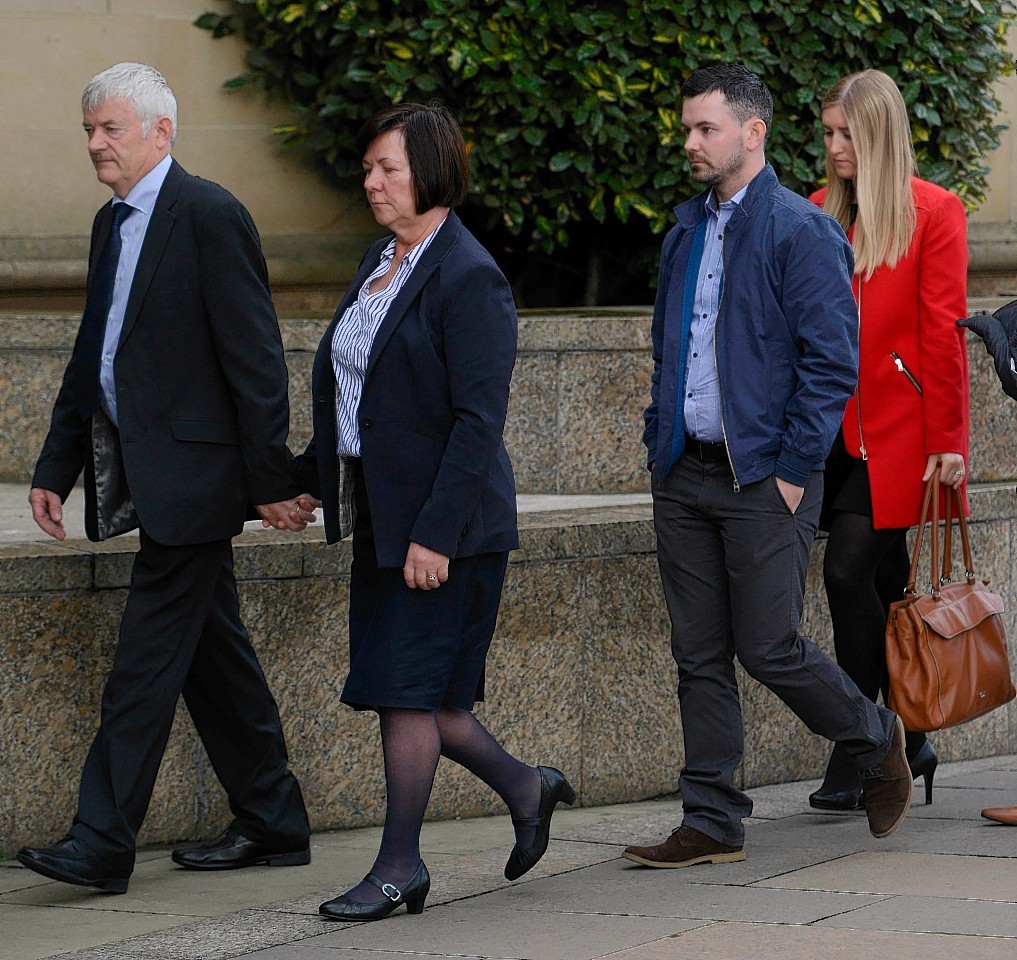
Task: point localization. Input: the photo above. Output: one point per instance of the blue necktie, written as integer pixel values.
(93, 321)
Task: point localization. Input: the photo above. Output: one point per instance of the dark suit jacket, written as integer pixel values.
(432, 412)
(200, 377)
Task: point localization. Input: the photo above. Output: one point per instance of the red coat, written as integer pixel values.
(910, 311)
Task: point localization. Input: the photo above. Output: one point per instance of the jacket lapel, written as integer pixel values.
(154, 245)
(101, 233)
(447, 237)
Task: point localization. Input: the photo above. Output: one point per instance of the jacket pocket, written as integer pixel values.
(195, 430)
(902, 368)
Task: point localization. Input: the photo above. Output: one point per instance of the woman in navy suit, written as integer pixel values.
(410, 388)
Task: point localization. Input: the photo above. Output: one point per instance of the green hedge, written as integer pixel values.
(571, 106)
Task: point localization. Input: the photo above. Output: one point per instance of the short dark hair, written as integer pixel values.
(434, 147)
(745, 94)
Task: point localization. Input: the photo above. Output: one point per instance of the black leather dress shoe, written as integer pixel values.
(231, 850)
(71, 861)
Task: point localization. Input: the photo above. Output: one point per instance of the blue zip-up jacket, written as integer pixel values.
(786, 337)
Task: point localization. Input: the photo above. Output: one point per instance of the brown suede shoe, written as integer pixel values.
(685, 847)
(888, 788)
(1001, 815)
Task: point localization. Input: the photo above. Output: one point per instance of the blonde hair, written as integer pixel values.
(878, 121)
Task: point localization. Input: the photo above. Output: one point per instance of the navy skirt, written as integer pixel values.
(418, 649)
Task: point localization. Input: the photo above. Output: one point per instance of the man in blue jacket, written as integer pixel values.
(755, 356)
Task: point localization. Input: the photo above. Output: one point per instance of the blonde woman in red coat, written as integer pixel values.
(909, 415)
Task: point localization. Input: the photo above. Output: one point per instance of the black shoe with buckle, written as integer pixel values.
(413, 893)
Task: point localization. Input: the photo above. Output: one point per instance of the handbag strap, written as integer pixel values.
(953, 496)
(946, 575)
(911, 589)
(930, 511)
(934, 537)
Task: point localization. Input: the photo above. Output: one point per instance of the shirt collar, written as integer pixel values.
(145, 192)
(714, 207)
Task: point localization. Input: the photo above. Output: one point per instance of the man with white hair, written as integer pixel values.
(174, 404)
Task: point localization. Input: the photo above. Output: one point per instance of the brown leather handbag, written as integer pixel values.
(946, 650)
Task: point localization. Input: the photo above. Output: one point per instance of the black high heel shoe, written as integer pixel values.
(554, 789)
(837, 799)
(413, 894)
(923, 764)
(842, 785)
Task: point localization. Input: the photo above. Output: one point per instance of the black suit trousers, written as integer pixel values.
(181, 632)
(733, 567)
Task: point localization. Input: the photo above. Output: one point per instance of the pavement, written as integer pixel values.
(813, 885)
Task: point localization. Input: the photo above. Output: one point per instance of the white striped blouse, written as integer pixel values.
(354, 337)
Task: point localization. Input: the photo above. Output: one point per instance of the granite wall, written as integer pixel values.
(581, 382)
(580, 675)
(578, 393)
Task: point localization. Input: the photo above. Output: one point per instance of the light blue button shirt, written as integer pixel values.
(132, 234)
(702, 383)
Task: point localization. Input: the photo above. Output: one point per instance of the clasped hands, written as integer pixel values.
(294, 514)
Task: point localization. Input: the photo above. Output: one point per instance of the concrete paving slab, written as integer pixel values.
(914, 874)
(959, 801)
(976, 918)
(161, 887)
(219, 937)
(614, 889)
(15, 877)
(778, 847)
(457, 877)
(728, 941)
(476, 929)
(310, 951)
(31, 933)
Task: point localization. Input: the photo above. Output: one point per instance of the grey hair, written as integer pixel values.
(140, 85)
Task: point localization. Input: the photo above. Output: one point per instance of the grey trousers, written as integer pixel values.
(733, 568)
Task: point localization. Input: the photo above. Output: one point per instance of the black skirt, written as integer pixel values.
(845, 485)
(418, 649)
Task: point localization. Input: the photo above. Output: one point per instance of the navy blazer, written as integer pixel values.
(200, 376)
(432, 412)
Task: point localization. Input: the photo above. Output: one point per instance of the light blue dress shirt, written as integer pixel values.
(702, 383)
(132, 234)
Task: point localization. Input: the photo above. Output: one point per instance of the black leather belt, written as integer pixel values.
(702, 450)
